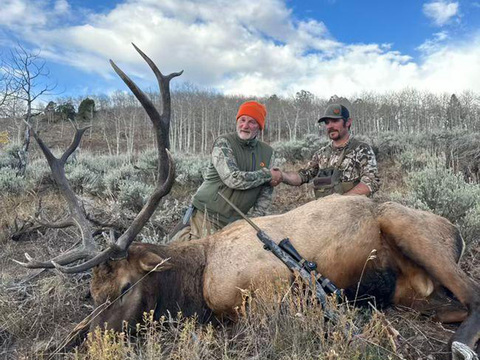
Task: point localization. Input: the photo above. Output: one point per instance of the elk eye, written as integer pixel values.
(125, 288)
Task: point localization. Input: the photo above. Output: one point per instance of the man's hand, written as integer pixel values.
(277, 177)
(359, 189)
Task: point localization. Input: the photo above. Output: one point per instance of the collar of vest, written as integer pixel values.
(246, 143)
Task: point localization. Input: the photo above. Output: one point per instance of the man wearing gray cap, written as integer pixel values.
(345, 166)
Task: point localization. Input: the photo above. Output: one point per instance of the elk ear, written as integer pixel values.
(153, 262)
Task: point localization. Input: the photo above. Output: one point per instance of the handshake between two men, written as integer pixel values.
(290, 178)
(277, 177)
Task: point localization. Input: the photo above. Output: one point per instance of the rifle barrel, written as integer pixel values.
(240, 212)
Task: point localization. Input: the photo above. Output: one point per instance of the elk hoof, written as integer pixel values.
(462, 352)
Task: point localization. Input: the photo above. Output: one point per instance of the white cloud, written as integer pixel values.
(239, 47)
(453, 68)
(22, 13)
(435, 43)
(441, 12)
(61, 6)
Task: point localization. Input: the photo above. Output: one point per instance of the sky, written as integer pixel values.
(252, 48)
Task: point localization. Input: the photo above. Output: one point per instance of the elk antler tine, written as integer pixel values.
(462, 352)
(98, 259)
(20, 263)
(58, 266)
(74, 144)
(73, 124)
(154, 67)
(28, 257)
(139, 94)
(45, 150)
(33, 264)
(112, 236)
(150, 63)
(175, 74)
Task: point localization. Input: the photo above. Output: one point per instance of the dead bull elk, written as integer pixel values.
(418, 250)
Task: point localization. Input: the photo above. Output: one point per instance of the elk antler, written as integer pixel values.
(116, 249)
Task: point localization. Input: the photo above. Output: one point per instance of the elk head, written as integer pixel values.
(121, 287)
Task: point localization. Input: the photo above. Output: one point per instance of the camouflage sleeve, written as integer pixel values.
(226, 165)
(368, 167)
(311, 170)
(264, 200)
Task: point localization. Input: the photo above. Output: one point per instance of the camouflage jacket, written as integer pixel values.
(226, 165)
(359, 165)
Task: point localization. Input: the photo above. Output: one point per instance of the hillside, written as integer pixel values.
(434, 171)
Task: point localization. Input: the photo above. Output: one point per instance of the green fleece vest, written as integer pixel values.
(249, 155)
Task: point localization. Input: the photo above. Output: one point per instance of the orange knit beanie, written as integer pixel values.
(255, 110)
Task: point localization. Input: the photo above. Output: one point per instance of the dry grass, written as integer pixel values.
(275, 323)
(35, 315)
(10, 208)
(36, 307)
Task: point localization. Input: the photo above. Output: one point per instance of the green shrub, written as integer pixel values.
(148, 160)
(443, 192)
(459, 148)
(470, 226)
(414, 159)
(38, 173)
(9, 156)
(133, 194)
(290, 150)
(10, 183)
(390, 144)
(190, 169)
(464, 155)
(438, 189)
(299, 150)
(101, 164)
(84, 180)
(116, 176)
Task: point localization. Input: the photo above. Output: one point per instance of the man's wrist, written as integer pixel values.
(292, 178)
(268, 174)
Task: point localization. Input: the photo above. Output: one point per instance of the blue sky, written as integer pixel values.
(263, 47)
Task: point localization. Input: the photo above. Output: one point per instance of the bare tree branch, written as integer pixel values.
(26, 72)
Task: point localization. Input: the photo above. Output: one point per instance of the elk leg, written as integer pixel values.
(449, 316)
(435, 245)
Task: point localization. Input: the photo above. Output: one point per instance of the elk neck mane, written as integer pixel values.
(182, 285)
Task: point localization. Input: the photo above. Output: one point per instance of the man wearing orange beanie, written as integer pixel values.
(241, 169)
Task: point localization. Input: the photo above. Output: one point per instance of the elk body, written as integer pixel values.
(416, 252)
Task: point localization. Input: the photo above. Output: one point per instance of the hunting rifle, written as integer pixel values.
(292, 259)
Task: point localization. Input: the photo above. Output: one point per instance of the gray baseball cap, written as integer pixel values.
(335, 111)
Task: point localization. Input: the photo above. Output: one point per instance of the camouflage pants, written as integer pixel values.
(200, 226)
